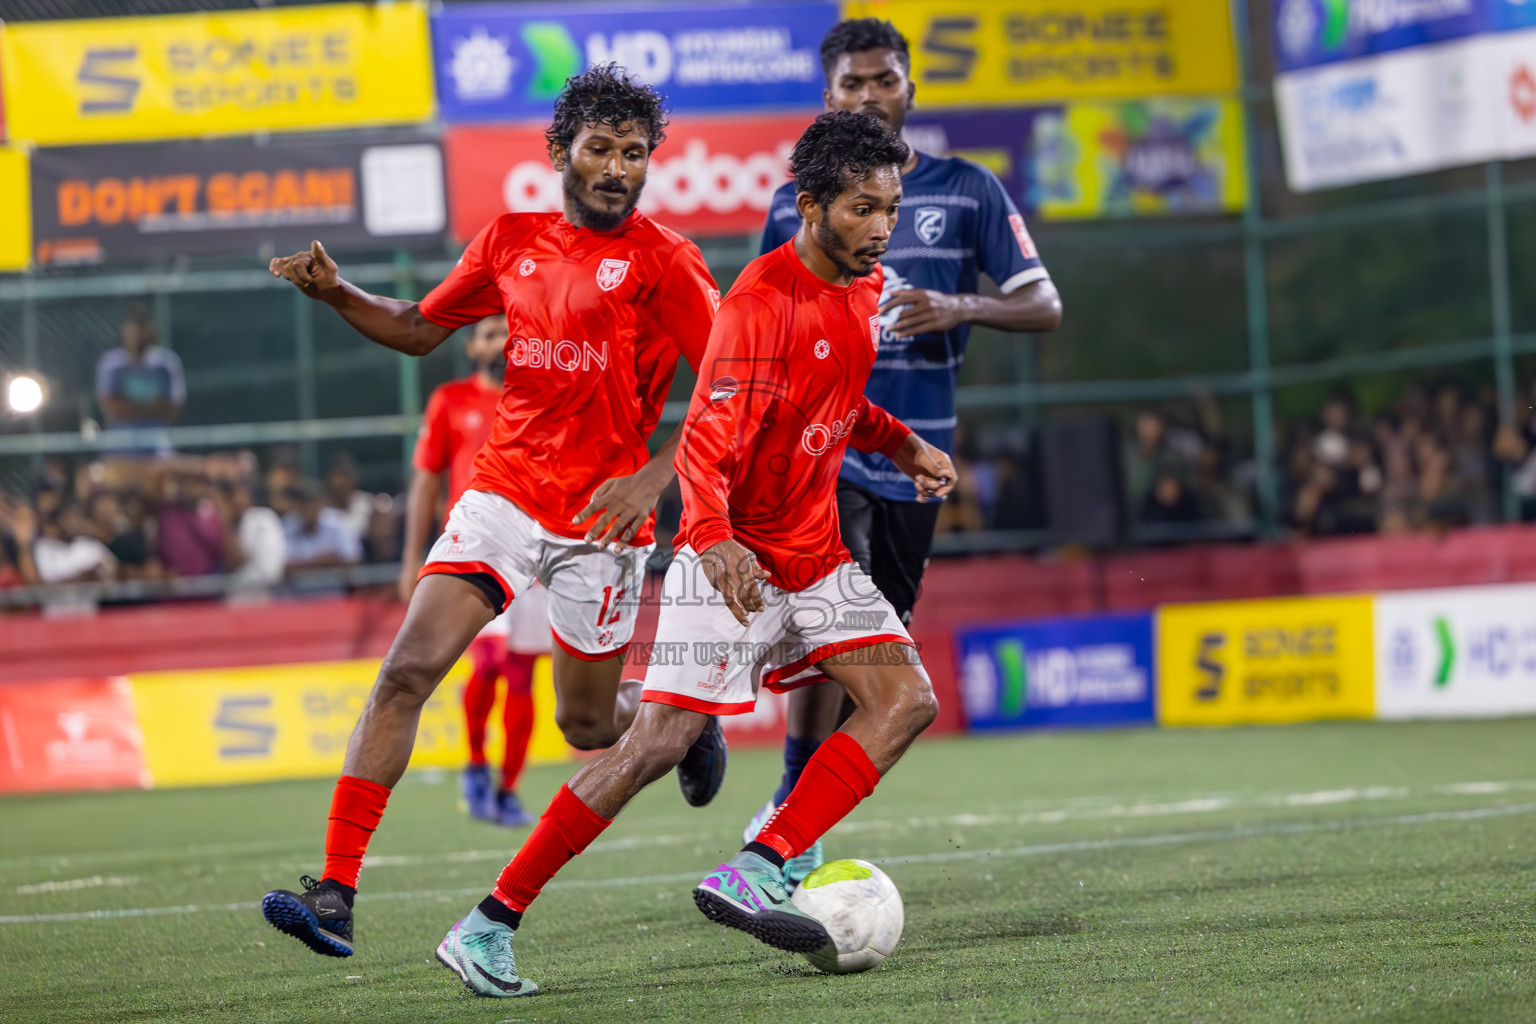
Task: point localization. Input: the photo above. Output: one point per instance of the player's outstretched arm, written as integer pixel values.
(1036, 307)
(393, 323)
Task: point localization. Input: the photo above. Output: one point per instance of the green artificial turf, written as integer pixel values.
(1341, 871)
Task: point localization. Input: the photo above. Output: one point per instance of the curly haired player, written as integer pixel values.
(600, 302)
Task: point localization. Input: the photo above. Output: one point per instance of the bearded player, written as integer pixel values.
(781, 395)
(600, 301)
(957, 223)
(456, 424)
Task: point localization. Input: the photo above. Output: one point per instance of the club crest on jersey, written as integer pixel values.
(822, 348)
(874, 331)
(525, 268)
(929, 223)
(611, 274)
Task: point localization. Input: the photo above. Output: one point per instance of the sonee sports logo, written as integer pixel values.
(818, 437)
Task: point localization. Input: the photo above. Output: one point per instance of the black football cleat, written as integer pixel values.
(702, 769)
(321, 917)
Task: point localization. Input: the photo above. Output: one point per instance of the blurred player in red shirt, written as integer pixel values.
(780, 398)
(600, 303)
(456, 424)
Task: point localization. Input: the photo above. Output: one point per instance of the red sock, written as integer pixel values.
(517, 716)
(564, 831)
(356, 809)
(835, 779)
(480, 692)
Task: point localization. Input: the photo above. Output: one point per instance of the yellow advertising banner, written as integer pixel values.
(1289, 660)
(296, 68)
(218, 726)
(1139, 157)
(1003, 52)
(15, 210)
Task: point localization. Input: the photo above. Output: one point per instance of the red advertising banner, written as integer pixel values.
(712, 175)
(69, 734)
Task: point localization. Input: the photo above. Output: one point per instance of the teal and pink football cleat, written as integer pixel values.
(796, 868)
(479, 951)
(747, 893)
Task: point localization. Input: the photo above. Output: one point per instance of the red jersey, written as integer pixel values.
(595, 324)
(457, 422)
(780, 396)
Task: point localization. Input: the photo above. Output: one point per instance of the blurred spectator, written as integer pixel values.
(343, 494)
(66, 552)
(1515, 445)
(189, 529)
(140, 384)
(1331, 445)
(255, 549)
(316, 534)
(18, 529)
(1168, 500)
(120, 521)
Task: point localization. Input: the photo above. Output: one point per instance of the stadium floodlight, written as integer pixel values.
(24, 394)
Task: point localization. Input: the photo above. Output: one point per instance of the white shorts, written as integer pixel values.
(525, 623)
(593, 592)
(705, 660)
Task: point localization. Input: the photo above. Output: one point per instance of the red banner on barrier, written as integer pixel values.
(712, 176)
(69, 734)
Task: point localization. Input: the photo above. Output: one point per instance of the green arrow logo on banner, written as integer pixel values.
(1335, 23)
(1015, 677)
(1447, 651)
(557, 56)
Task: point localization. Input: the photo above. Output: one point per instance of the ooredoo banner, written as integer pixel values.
(1460, 652)
(181, 75)
(712, 176)
(1068, 672)
(507, 62)
(1004, 52)
(93, 204)
(1281, 660)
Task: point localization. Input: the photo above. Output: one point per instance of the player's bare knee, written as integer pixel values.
(406, 678)
(585, 732)
(915, 707)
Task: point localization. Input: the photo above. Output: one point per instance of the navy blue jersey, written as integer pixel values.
(956, 223)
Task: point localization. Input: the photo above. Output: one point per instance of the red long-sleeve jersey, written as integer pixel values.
(780, 396)
(456, 424)
(596, 321)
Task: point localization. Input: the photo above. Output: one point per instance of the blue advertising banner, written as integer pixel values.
(507, 62)
(1067, 672)
(1313, 32)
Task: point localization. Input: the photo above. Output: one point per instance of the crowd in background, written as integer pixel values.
(1436, 459)
(1432, 461)
(165, 517)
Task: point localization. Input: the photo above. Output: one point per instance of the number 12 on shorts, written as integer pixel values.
(614, 599)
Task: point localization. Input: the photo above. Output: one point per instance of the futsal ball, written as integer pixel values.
(861, 909)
